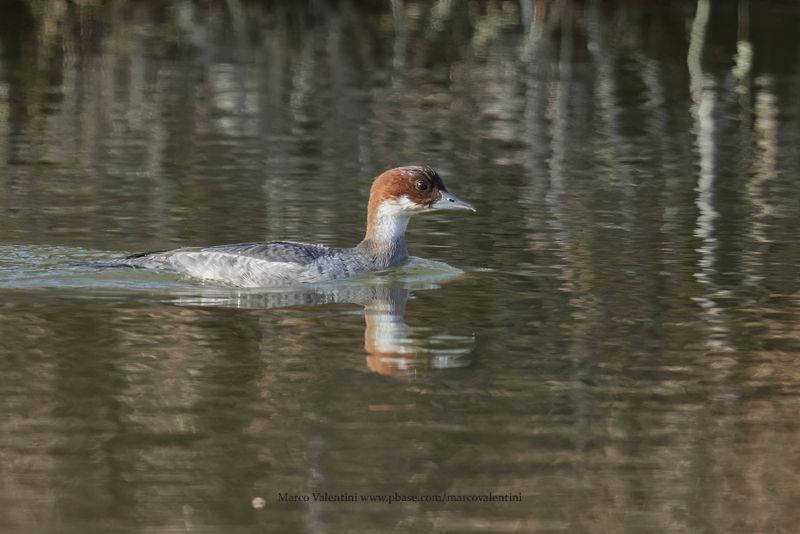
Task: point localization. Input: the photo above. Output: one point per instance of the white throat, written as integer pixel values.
(391, 220)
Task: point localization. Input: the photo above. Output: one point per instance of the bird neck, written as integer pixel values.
(385, 238)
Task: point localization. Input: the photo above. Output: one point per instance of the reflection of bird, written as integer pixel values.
(396, 195)
(387, 337)
(393, 347)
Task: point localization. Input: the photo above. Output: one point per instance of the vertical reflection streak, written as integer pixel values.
(763, 169)
(702, 110)
(400, 36)
(558, 112)
(702, 115)
(532, 52)
(604, 91)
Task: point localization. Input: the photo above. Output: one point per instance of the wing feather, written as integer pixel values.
(277, 251)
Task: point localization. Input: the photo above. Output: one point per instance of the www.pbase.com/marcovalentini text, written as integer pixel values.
(397, 497)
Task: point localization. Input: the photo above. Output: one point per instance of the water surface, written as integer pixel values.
(611, 341)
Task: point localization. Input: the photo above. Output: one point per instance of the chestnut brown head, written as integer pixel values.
(414, 189)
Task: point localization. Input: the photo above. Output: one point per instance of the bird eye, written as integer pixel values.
(422, 185)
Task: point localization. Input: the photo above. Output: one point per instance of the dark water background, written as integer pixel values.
(622, 350)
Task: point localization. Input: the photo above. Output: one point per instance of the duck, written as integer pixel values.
(396, 196)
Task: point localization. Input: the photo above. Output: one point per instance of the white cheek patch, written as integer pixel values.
(399, 205)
